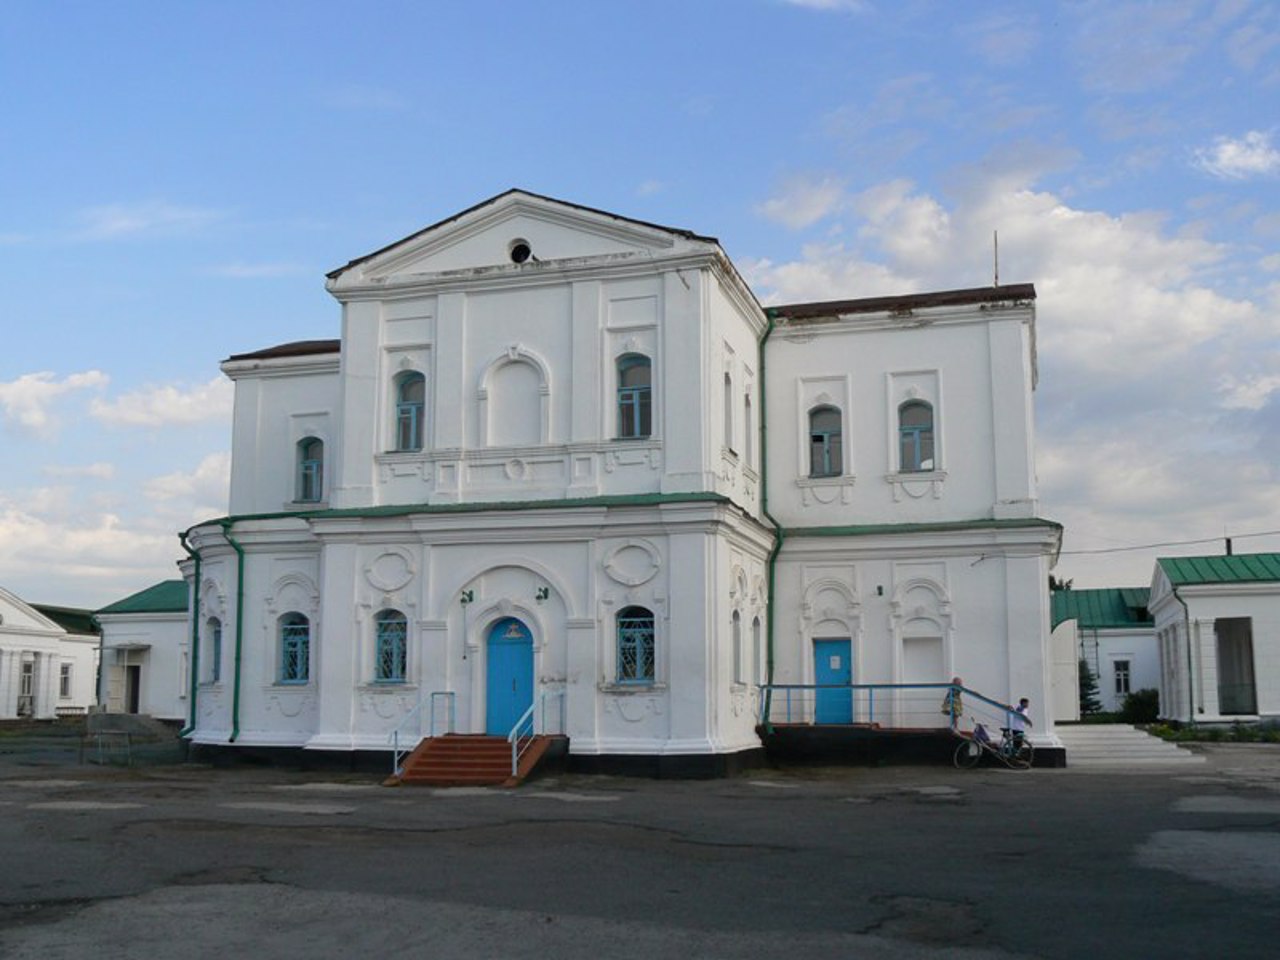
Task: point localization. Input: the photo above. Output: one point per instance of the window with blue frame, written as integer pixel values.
(295, 648)
(635, 406)
(310, 470)
(915, 437)
(213, 669)
(826, 442)
(411, 395)
(635, 646)
(391, 647)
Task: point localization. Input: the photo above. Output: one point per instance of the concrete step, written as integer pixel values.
(1116, 746)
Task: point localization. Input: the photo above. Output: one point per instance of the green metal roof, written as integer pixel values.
(167, 596)
(70, 619)
(1238, 568)
(1106, 609)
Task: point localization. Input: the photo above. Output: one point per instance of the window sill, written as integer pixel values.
(387, 686)
(624, 689)
(298, 506)
(834, 480)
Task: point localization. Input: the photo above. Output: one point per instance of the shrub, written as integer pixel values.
(1141, 706)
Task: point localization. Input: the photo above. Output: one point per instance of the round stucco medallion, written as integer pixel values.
(391, 571)
(516, 469)
(632, 563)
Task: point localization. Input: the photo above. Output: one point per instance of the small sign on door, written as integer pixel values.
(835, 662)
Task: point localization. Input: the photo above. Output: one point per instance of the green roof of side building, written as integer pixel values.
(1110, 608)
(1236, 568)
(167, 596)
(70, 619)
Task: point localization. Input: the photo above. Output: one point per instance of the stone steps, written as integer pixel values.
(1118, 746)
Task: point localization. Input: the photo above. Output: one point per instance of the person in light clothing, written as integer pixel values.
(1020, 719)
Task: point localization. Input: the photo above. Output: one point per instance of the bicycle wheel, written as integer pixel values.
(1022, 756)
(968, 755)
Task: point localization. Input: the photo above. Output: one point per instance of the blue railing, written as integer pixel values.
(522, 734)
(412, 721)
(911, 705)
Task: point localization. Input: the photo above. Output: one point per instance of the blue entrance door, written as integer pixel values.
(510, 685)
(833, 663)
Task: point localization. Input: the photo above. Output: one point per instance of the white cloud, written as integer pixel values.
(26, 401)
(1249, 393)
(1240, 158)
(804, 201)
(648, 188)
(117, 220)
(167, 404)
(207, 484)
(94, 471)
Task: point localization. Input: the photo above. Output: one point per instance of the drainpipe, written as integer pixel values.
(235, 695)
(780, 534)
(195, 632)
(1191, 678)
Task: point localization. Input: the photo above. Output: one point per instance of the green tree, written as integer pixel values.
(1089, 698)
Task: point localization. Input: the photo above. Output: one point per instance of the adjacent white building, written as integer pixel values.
(560, 454)
(146, 652)
(1217, 622)
(1112, 631)
(48, 660)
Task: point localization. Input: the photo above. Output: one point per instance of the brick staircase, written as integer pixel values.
(457, 760)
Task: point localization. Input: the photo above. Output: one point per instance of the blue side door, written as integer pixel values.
(833, 663)
(510, 681)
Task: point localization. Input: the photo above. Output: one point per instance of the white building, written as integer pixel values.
(146, 652)
(1217, 621)
(48, 660)
(535, 465)
(1112, 631)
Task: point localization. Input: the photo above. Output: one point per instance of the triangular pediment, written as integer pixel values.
(16, 616)
(489, 237)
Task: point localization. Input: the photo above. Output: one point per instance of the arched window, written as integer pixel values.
(728, 412)
(756, 665)
(635, 645)
(295, 648)
(826, 446)
(748, 433)
(310, 470)
(635, 417)
(213, 650)
(411, 393)
(739, 674)
(391, 646)
(915, 437)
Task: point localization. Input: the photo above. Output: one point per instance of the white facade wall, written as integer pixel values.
(1186, 638)
(33, 652)
(151, 651)
(1104, 649)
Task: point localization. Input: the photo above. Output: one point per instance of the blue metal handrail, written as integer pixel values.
(520, 740)
(949, 691)
(414, 717)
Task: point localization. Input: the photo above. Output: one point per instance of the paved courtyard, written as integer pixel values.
(181, 861)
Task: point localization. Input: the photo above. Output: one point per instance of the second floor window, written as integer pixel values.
(915, 437)
(826, 447)
(411, 394)
(635, 415)
(310, 470)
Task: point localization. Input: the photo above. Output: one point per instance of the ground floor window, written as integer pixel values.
(64, 681)
(391, 653)
(295, 648)
(635, 645)
(1121, 668)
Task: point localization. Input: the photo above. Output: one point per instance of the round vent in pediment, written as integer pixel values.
(519, 250)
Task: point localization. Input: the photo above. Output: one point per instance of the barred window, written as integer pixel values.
(391, 647)
(635, 645)
(295, 648)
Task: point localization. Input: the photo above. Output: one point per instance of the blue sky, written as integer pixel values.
(176, 178)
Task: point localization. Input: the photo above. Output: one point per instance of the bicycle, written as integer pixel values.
(1014, 751)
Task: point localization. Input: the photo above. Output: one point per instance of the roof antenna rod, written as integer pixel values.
(995, 256)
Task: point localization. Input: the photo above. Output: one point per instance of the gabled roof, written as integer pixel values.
(1108, 608)
(70, 619)
(167, 596)
(677, 231)
(1237, 568)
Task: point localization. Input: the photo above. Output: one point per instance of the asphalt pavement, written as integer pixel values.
(165, 860)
